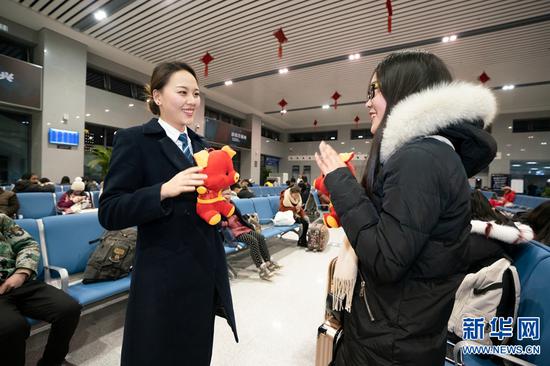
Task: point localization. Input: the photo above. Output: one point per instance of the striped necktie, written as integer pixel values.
(185, 147)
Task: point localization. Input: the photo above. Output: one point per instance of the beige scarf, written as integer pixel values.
(345, 274)
(289, 202)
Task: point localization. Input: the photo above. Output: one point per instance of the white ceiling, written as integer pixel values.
(239, 35)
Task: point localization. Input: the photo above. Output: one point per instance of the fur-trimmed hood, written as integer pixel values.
(507, 234)
(458, 111)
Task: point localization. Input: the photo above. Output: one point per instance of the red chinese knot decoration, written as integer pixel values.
(483, 77)
(335, 96)
(390, 14)
(281, 38)
(206, 60)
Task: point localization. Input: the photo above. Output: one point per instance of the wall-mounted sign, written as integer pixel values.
(227, 134)
(20, 83)
(63, 137)
(499, 180)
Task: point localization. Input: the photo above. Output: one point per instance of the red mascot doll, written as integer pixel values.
(331, 219)
(217, 164)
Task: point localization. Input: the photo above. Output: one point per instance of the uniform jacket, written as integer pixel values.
(180, 277)
(17, 249)
(411, 237)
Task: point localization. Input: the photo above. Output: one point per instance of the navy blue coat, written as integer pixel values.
(180, 279)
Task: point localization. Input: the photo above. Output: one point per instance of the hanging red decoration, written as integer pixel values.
(315, 123)
(483, 77)
(335, 96)
(206, 60)
(283, 104)
(281, 38)
(390, 14)
(356, 120)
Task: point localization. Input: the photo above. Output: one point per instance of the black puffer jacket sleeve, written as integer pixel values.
(388, 242)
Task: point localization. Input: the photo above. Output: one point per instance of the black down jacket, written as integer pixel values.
(411, 237)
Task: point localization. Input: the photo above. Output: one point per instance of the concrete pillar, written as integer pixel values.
(250, 159)
(63, 96)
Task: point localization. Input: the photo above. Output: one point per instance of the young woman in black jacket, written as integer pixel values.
(409, 219)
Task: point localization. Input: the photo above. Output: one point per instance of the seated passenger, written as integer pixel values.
(65, 180)
(9, 205)
(245, 192)
(235, 189)
(75, 199)
(291, 200)
(242, 231)
(507, 198)
(21, 295)
(29, 183)
(539, 220)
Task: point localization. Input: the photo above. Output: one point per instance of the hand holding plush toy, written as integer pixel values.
(331, 219)
(217, 164)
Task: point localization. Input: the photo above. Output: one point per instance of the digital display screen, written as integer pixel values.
(63, 137)
(20, 83)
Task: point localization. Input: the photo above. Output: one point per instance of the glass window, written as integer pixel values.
(361, 134)
(15, 132)
(313, 136)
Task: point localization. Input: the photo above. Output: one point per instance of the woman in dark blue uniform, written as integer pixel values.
(180, 280)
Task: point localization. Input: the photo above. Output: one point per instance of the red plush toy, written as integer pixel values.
(331, 219)
(217, 164)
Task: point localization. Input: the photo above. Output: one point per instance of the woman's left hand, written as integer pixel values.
(328, 159)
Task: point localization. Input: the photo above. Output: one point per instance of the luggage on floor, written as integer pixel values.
(328, 336)
(317, 237)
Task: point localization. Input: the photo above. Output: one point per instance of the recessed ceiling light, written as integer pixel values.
(516, 165)
(283, 111)
(131, 105)
(100, 15)
(49, 124)
(283, 71)
(509, 127)
(325, 106)
(452, 38)
(343, 143)
(77, 117)
(228, 82)
(531, 137)
(544, 143)
(547, 167)
(354, 56)
(445, 39)
(88, 114)
(508, 87)
(333, 138)
(360, 136)
(106, 110)
(507, 154)
(531, 162)
(522, 149)
(266, 140)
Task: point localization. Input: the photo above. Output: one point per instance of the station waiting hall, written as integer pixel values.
(275, 183)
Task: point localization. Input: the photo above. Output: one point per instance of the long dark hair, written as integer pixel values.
(399, 75)
(482, 210)
(539, 220)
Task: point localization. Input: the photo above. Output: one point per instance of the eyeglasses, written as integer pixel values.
(372, 88)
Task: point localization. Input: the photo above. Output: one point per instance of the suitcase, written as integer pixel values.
(328, 335)
(317, 237)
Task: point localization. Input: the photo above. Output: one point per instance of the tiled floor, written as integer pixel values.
(276, 320)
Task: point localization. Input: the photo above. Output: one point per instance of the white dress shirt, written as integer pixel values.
(174, 134)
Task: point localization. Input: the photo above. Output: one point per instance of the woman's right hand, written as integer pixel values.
(184, 181)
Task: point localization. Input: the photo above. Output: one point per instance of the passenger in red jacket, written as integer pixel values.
(507, 198)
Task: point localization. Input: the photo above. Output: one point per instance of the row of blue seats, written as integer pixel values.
(266, 191)
(58, 187)
(266, 208)
(65, 247)
(532, 261)
(35, 205)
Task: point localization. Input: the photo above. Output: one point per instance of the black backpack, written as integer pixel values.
(114, 256)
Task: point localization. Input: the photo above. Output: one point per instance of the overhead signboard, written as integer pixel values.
(226, 134)
(20, 83)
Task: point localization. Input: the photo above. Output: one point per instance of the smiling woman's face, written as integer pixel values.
(178, 99)
(376, 104)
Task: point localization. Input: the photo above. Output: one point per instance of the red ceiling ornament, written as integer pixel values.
(315, 123)
(206, 60)
(356, 120)
(281, 38)
(390, 14)
(483, 77)
(335, 96)
(283, 104)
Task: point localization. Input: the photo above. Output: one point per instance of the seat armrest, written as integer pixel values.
(457, 355)
(63, 275)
